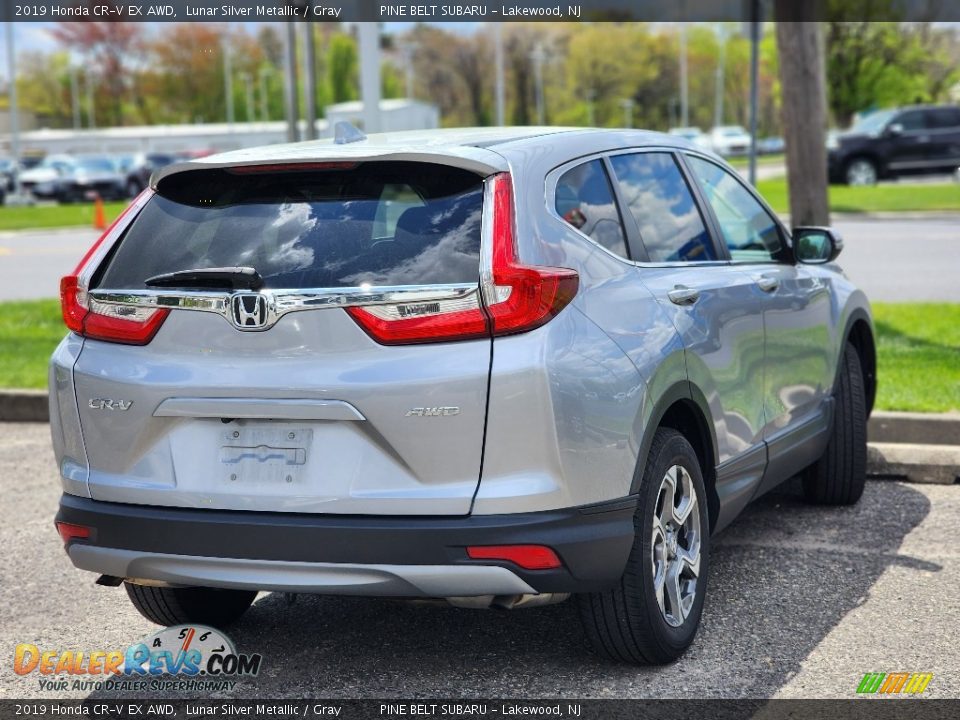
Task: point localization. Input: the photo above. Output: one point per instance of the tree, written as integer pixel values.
(43, 86)
(110, 48)
(804, 111)
(343, 68)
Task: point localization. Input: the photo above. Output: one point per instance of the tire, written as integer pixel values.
(132, 190)
(188, 605)
(861, 171)
(626, 624)
(838, 477)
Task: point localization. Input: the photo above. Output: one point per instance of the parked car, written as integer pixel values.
(8, 175)
(771, 146)
(93, 176)
(914, 140)
(728, 140)
(495, 366)
(49, 179)
(694, 135)
(139, 167)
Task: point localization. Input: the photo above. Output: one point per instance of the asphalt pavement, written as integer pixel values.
(802, 602)
(893, 260)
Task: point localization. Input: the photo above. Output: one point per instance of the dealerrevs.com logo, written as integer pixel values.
(183, 657)
(894, 683)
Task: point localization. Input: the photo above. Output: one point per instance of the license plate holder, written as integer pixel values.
(269, 455)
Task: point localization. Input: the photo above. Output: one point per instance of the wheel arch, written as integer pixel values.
(684, 408)
(859, 332)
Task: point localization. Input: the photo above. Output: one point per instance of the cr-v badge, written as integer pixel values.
(109, 404)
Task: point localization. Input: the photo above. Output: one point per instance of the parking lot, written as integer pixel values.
(803, 601)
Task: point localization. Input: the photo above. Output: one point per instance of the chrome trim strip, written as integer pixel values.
(283, 301)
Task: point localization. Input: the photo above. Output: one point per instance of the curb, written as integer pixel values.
(914, 428)
(24, 406)
(937, 464)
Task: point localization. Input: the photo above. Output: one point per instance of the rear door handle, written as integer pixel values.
(683, 295)
(768, 283)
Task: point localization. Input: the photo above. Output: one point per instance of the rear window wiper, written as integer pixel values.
(225, 278)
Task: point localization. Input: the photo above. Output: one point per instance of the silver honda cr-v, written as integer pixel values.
(498, 367)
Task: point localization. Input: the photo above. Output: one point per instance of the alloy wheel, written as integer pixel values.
(675, 545)
(861, 172)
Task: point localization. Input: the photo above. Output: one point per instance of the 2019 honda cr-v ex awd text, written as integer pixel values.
(494, 366)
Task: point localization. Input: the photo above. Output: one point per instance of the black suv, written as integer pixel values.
(903, 141)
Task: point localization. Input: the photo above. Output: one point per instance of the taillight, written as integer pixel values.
(517, 297)
(102, 321)
(522, 297)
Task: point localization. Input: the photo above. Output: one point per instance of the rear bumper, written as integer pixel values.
(349, 555)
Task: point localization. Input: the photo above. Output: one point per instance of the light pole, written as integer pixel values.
(627, 105)
(538, 56)
(684, 85)
(498, 61)
(91, 110)
(228, 77)
(264, 105)
(309, 79)
(721, 62)
(755, 29)
(74, 96)
(14, 112)
(407, 49)
(369, 35)
(247, 79)
(290, 82)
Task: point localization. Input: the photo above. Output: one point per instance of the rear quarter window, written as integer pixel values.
(386, 223)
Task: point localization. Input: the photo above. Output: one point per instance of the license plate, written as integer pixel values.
(267, 455)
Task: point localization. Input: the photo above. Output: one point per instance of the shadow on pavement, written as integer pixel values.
(782, 576)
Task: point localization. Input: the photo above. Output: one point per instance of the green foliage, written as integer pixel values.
(899, 197)
(29, 333)
(918, 356)
(874, 64)
(343, 68)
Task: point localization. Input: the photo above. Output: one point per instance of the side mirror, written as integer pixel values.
(816, 245)
(894, 129)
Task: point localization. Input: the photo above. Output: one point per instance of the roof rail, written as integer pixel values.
(346, 132)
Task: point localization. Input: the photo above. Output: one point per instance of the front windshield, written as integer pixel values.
(96, 164)
(874, 122)
(57, 162)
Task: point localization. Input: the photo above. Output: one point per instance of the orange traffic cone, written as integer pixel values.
(99, 220)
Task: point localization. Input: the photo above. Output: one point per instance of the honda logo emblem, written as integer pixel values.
(249, 311)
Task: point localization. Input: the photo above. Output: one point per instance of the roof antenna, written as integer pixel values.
(346, 132)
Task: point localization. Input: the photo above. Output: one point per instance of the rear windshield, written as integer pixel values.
(377, 223)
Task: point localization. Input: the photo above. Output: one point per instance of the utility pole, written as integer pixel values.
(803, 110)
(264, 104)
(498, 62)
(14, 110)
(591, 94)
(310, 78)
(228, 78)
(369, 36)
(538, 56)
(291, 103)
(721, 63)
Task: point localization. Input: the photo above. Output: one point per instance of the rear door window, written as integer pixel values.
(585, 200)
(670, 225)
(377, 223)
